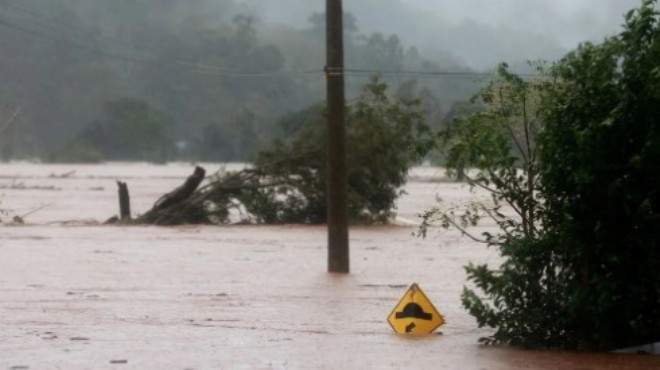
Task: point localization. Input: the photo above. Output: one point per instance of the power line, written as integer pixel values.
(199, 67)
(207, 69)
(371, 72)
(215, 69)
(10, 4)
(141, 48)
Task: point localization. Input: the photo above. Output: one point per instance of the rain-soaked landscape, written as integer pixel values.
(179, 181)
(75, 294)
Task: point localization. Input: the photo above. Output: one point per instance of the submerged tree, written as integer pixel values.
(385, 138)
(286, 183)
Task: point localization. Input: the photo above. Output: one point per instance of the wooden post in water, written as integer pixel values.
(338, 251)
(124, 202)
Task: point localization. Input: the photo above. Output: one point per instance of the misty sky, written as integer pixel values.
(479, 32)
(566, 21)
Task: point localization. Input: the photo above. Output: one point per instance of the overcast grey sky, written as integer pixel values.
(567, 21)
(479, 32)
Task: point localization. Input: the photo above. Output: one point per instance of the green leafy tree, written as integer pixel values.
(495, 150)
(581, 257)
(130, 130)
(602, 185)
(235, 141)
(385, 138)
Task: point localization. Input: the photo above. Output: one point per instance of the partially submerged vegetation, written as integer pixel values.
(286, 183)
(570, 162)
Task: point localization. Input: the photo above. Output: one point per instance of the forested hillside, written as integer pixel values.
(160, 79)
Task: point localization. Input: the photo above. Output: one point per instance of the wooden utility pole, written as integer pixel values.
(338, 253)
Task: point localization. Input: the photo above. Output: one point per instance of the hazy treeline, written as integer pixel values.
(165, 79)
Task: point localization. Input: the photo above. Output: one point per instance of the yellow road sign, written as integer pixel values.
(415, 313)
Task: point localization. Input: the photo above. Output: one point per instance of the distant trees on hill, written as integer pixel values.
(221, 76)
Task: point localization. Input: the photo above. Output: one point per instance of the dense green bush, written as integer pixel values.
(587, 276)
(602, 185)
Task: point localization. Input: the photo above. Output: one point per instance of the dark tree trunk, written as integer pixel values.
(124, 202)
(177, 206)
(181, 193)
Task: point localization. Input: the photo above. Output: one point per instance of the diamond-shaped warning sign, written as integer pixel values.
(415, 313)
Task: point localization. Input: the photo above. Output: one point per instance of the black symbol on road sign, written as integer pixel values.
(410, 327)
(415, 311)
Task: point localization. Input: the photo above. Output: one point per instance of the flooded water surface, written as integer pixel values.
(75, 294)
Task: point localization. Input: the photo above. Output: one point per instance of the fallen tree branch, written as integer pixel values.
(191, 203)
(181, 193)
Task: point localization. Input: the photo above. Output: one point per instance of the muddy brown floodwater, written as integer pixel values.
(75, 295)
